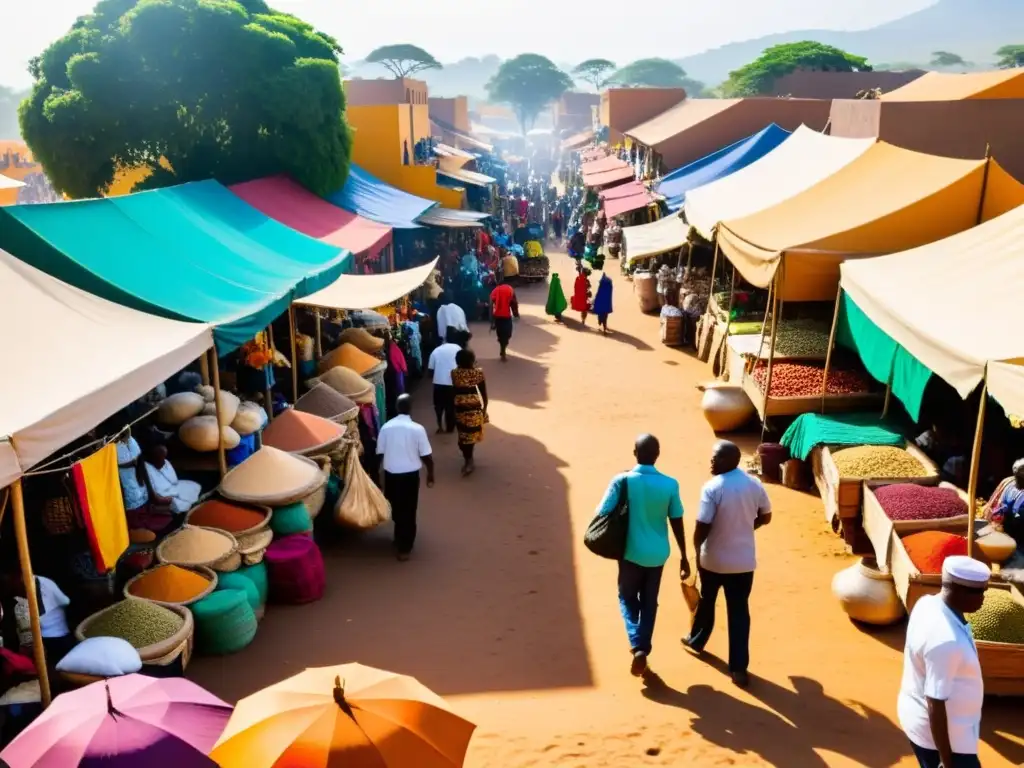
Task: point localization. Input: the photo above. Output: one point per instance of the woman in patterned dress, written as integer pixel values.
(470, 405)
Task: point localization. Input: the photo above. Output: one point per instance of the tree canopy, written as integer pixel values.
(1010, 57)
(595, 72)
(192, 89)
(656, 73)
(528, 83)
(403, 60)
(757, 77)
(945, 59)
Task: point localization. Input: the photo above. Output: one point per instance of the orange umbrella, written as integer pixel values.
(344, 717)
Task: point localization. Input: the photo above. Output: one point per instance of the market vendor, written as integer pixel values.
(131, 473)
(1008, 509)
(166, 489)
(53, 623)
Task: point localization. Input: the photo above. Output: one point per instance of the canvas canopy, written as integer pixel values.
(446, 150)
(911, 296)
(675, 186)
(369, 291)
(578, 140)
(653, 239)
(945, 86)
(622, 190)
(291, 204)
(620, 205)
(449, 217)
(443, 126)
(466, 177)
(609, 163)
(191, 252)
(6, 182)
(378, 201)
(799, 162)
(608, 177)
(889, 199)
(677, 119)
(47, 326)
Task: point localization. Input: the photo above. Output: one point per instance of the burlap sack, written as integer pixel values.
(362, 504)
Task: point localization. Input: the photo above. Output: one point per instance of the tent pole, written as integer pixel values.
(888, 393)
(776, 311)
(728, 322)
(222, 459)
(972, 481)
(319, 336)
(764, 322)
(711, 285)
(204, 369)
(268, 393)
(295, 356)
(831, 346)
(984, 185)
(29, 581)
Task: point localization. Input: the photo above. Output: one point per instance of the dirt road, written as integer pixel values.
(504, 612)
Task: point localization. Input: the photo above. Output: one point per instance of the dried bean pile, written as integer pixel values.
(802, 339)
(999, 620)
(804, 379)
(867, 461)
(906, 501)
(140, 622)
(928, 550)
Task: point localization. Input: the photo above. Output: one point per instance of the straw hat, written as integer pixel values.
(362, 339)
(325, 401)
(349, 356)
(304, 433)
(272, 477)
(349, 383)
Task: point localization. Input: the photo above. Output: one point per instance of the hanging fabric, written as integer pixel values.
(98, 490)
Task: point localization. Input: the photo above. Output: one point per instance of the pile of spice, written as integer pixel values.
(804, 379)
(324, 401)
(928, 550)
(298, 432)
(999, 620)
(906, 501)
(140, 622)
(272, 477)
(226, 515)
(195, 545)
(867, 461)
(169, 584)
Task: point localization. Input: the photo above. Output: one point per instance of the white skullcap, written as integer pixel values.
(965, 571)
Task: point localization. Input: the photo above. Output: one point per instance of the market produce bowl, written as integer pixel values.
(198, 516)
(193, 545)
(1002, 664)
(207, 573)
(253, 546)
(273, 478)
(159, 654)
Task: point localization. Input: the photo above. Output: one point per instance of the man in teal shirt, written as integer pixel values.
(654, 506)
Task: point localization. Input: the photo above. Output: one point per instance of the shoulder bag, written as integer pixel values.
(606, 534)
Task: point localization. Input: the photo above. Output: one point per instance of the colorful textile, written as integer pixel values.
(811, 429)
(470, 414)
(556, 303)
(581, 293)
(603, 299)
(99, 497)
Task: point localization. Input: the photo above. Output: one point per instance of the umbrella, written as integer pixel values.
(124, 722)
(344, 717)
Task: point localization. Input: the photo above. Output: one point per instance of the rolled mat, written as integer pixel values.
(257, 574)
(244, 585)
(225, 622)
(295, 570)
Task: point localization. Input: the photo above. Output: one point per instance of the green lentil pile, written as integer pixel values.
(140, 622)
(867, 461)
(802, 338)
(999, 620)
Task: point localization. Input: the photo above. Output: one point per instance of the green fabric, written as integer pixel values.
(191, 252)
(556, 304)
(224, 622)
(293, 518)
(811, 429)
(883, 358)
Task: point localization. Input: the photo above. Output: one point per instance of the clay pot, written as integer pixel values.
(726, 406)
(867, 595)
(998, 547)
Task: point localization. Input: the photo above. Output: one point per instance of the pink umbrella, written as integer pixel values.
(124, 722)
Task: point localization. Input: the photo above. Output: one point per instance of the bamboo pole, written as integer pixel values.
(984, 185)
(268, 393)
(319, 336)
(831, 346)
(776, 311)
(711, 288)
(204, 369)
(295, 356)
(724, 355)
(764, 322)
(29, 581)
(222, 458)
(972, 481)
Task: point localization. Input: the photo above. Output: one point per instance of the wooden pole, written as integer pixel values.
(776, 311)
(764, 322)
(204, 369)
(268, 393)
(984, 185)
(888, 392)
(29, 580)
(711, 288)
(831, 346)
(319, 337)
(222, 457)
(972, 481)
(295, 356)
(728, 321)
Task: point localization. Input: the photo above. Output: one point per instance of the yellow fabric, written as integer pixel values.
(533, 249)
(889, 199)
(97, 480)
(939, 86)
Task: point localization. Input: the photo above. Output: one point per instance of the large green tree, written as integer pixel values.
(1010, 57)
(757, 77)
(528, 83)
(403, 59)
(657, 73)
(595, 72)
(946, 59)
(225, 89)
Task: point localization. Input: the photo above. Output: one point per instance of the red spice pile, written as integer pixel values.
(804, 379)
(906, 501)
(928, 550)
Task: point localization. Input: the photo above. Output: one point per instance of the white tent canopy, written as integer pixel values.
(801, 161)
(79, 359)
(953, 305)
(369, 291)
(652, 239)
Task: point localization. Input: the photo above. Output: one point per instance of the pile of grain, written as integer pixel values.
(867, 461)
(999, 620)
(906, 501)
(169, 584)
(140, 622)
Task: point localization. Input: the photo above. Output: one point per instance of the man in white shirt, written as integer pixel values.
(733, 504)
(405, 449)
(442, 363)
(450, 317)
(942, 692)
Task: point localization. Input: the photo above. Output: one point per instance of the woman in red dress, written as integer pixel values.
(581, 293)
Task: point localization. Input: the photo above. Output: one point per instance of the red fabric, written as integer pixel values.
(16, 664)
(501, 299)
(622, 190)
(621, 205)
(522, 208)
(608, 177)
(580, 300)
(604, 164)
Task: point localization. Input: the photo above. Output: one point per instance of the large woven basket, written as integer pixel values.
(159, 654)
(283, 500)
(267, 512)
(253, 546)
(314, 502)
(229, 561)
(206, 573)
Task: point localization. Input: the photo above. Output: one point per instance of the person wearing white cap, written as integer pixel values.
(942, 692)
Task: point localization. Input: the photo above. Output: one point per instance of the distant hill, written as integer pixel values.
(972, 28)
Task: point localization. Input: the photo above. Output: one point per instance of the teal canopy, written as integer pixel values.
(811, 429)
(190, 252)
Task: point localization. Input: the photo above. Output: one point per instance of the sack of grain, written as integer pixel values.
(362, 504)
(250, 418)
(177, 409)
(200, 434)
(101, 657)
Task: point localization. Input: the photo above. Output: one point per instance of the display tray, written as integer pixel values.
(794, 406)
(879, 528)
(1002, 664)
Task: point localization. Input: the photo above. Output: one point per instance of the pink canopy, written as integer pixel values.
(294, 206)
(608, 177)
(604, 164)
(623, 190)
(620, 205)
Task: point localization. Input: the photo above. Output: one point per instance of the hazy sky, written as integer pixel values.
(565, 30)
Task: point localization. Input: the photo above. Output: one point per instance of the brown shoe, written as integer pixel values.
(741, 679)
(402, 557)
(639, 664)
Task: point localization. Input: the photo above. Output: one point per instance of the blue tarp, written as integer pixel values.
(378, 201)
(719, 164)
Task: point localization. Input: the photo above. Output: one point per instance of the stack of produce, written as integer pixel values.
(186, 412)
(999, 620)
(140, 622)
(802, 338)
(295, 571)
(928, 550)
(904, 502)
(868, 461)
(327, 403)
(349, 356)
(225, 622)
(694, 289)
(248, 524)
(171, 584)
(273, 478)
(303, 433)
(348, 383)
(804, 379)
(538, 266)
(362, 339)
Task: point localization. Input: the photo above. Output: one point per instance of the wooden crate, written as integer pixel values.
(1002, 664)
(794, 406)
(911, 584)
(879, 528)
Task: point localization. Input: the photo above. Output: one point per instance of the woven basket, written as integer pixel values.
(267, 511)
(158, 654)
(281, 501)
(59, 516)
(217, 564)
(80, 681)
(206, 573)
(315, 501)
(253, 546)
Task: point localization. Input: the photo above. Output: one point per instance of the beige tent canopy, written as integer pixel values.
(81, 359)
(944, 86)
(889, 199)
(677, 119)
(368, 291)
(653, 239)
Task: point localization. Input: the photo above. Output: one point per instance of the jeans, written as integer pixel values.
(403, 493)
(737, 595)
(929, 758)
(638, 601)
